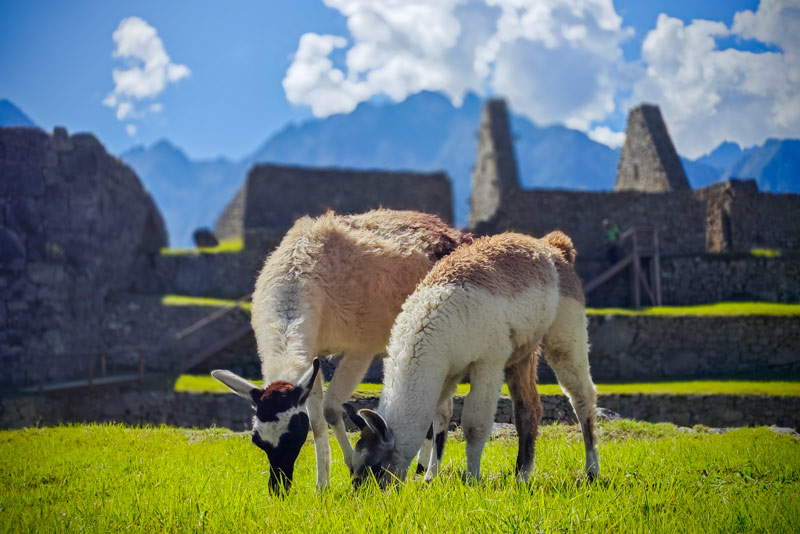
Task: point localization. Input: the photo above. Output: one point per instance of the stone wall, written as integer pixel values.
(222, 275)
(659, 347)
(704, 278)
(74, 221)
(276, 196)
(648, 160)
(137, 406)
(679, 217)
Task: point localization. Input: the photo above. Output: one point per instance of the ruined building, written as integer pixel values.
(274, 196)
(730, 217)
(75, 224)
(648, 161)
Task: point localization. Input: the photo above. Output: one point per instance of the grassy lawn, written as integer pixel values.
(183, 300)
(207, 384)
(653, 478)
(709, 310)
(226, 246)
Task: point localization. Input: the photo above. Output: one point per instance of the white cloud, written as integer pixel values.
(605, 135)
(708, 95)
(131, 129)
(560, 61)
(556, 60)
(149, 70)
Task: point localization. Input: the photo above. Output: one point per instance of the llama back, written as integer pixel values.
(340, 281)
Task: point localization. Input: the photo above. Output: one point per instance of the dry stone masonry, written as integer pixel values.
(649, 161)
(74, 221)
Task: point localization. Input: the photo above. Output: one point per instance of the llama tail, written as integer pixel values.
(563, 243)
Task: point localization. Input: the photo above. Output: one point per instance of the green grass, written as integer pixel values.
(207, 384)
(184, 300)
(226, 246)
(765, 252)
(654, 478)
(708, 310)
(717, 309)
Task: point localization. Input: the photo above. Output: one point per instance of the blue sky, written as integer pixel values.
(241, 70)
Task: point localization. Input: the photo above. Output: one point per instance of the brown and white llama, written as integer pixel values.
(482, 310)
(334, 285)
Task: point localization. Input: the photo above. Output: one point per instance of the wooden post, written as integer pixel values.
(103, 364)
(637, 291)
(656, 267)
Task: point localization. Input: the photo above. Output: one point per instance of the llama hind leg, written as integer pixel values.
(319, 428)
(477, 417)
(567, 347)
(346, 378)
(521, 379)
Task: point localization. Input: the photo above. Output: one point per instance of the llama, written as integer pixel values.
(482, 310)
(334, 285)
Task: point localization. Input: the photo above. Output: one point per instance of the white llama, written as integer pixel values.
(482, 310)
(333, 286)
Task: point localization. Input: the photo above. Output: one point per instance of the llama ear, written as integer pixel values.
(377, 424)
(240, 386)
(354, 417)
(306, 382)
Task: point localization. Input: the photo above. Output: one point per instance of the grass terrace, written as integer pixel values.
(719, 309)
(654, 478)
(226, 246)
(207, 384)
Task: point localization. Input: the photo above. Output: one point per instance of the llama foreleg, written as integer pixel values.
(424, 456)
(346, 378)
(444, 412)
(477, 417)
(319, 428)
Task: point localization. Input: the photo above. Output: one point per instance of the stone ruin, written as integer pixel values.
(80, 267)
(75, 224)
(648, 161)
(274, 196)
(731, 217)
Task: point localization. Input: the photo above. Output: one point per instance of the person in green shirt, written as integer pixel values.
(612, 240)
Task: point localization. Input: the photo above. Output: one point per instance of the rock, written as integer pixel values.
(203, 237)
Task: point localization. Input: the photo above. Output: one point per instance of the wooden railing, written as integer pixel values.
(217, 346)
(640, 249)
(93, 358)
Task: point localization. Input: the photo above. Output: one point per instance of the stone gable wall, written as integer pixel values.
(74, 222)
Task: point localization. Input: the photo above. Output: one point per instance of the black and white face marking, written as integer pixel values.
(281, 424)
(374, 452)
(283, 451)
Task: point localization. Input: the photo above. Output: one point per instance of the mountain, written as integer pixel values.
(775, 166)
(426, 132)
(700, 174)
(722, 157)
(190, 194)
(11, 115)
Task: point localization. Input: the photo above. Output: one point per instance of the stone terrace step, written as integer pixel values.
(139, 406)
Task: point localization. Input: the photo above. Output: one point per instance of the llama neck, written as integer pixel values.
(408, 402)
(284, 326)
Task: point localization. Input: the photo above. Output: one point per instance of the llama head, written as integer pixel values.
(374, 454)
(280, 426)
